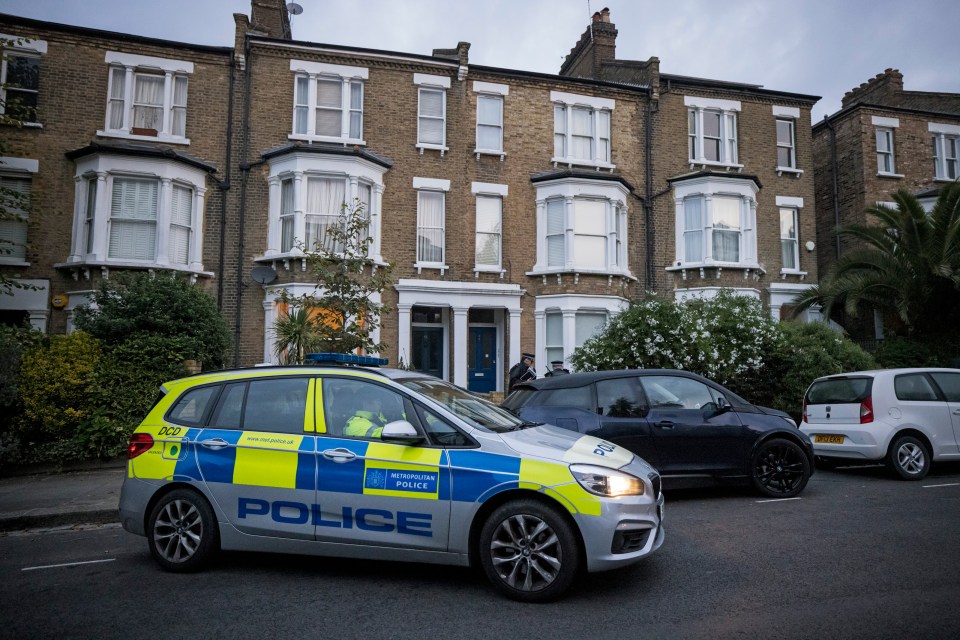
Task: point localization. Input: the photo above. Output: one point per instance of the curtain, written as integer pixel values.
(726, 229)
(356, 110)
(788, 238)
(329, 108)
(488, 231)
(179, 116)
(133, 219)
(587, 325)
(117, 78)
(325, 200)
(431, 116)
(181, 221)
(556, 233)
(582, 134)
(148, 102)
(693, 230)
(430, 227)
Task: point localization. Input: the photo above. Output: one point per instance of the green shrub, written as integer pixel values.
(14, 341)
(895, 352)
(55, 386)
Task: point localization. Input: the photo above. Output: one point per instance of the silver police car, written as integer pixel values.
(376, 463)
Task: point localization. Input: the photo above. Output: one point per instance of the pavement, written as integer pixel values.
(46, 499)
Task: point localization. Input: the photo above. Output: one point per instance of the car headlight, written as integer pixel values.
(605, 482)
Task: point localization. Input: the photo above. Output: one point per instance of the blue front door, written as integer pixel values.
(482, 359)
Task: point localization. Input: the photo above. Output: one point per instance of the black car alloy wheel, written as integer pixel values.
(780, 469)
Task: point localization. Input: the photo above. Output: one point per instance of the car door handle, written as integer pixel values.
(664, 424)
(339, 455)
(215, 443)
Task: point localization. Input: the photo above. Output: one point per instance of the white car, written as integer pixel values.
(905, 417)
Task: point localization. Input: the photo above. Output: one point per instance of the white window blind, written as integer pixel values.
(286, 215)
(432, 116)
(179, 125)
(488, 231)
(556, 233)
(115, 104)
(554, 336)
(726, 229)
(693, 229)
(325, 200)
(301, 104)
(430, 223)
(490, 123)
(329, 104)
(587, 325)
(356, 110)
(90, 214)
(590, 234)
(133, 219)
(13, 232)
(181, 221)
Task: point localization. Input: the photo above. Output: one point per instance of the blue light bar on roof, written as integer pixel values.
(344, 358)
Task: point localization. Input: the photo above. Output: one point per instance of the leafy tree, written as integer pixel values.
(341, 315)
(906, 266)
(14, 203)
(159, 305)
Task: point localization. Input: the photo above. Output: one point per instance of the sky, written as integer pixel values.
(813, 47)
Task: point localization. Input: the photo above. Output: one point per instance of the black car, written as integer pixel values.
(686, 426)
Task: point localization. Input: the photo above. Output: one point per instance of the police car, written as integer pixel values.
(258, 460)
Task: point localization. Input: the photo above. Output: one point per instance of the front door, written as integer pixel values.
(482, 360)
(427, 351)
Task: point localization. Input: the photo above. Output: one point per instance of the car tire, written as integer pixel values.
(529, 551)
(182, 531)
(780, 468)
(909, 458)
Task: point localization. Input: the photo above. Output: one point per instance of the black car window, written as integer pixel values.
(949, 383)
(619, 398)
(913, 386)
(517, 399)
(839, 391)
(192, 405)
(229, 411)
(440, 432)
(675, 392)
(276, 404)
(580, 397)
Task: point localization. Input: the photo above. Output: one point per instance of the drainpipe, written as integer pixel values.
(836, 189)
(225, 186)
(648, 195)
(245, 171)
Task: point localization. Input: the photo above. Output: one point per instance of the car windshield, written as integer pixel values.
(839, 390)
(475, 411)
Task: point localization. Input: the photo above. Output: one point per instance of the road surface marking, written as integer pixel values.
(66, 564)
(952, 484)
(777, 500)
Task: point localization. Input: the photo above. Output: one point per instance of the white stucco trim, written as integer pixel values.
(490, 87)
(786, 112)
(711, 103)
(790, 201)
(489, 188)
(949, 129)
(436, 184)
(879, 121)
(582, 100)
(431, 80)
(327, 69)
(19, 165)
(148, 62)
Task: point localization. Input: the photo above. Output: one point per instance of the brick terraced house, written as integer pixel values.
(883, 139)
(521, 210)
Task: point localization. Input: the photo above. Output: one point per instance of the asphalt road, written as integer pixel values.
(859, 555)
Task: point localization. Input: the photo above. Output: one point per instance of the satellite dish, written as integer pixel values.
(294, 9)
(263, 275)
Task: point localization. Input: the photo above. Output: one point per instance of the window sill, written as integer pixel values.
(436, 147)
(168, 139)
(793, 272)
(881, 174)
(290, 256)
(570, 162)
(420, 266)
(945, 179)
(702, 267)
(490, 152)
(795, 172)
(559, 271)
(84, 267)
(703, 164)
(13, 262)
(477, 270)
(344, 141)
(24, 125)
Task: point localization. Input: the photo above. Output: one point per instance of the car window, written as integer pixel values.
(346, 400)
(949, 383)
(440, 432)
(839, 391)
(276, 404)
(619, 398)
(517, 399)
(229, 411)
(466, 406)
(913, 387)
(675, 392)
(192, 405)
(581, 397)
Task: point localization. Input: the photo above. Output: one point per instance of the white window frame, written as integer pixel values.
(130, 66)
(496, 92)
(98, 172)
(794, 204)
(486, 192)
(600, 111)
(569, 191)
(20, 48)
(884, 128)
(569, 307)
(298, 168)
(706, 188)
(432, 186)
(314, 72)
(726, 111)
(432, 84)
(790, 146)
(21, 169)
(945, 166)
(787, 242)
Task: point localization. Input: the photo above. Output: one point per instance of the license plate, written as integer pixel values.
(828, 439)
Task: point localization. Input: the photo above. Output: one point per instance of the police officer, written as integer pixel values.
(557, 369)
(522, 371)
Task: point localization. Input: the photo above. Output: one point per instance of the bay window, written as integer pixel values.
(146, 97)
(715, 222)
(564, 322)
(327, 102)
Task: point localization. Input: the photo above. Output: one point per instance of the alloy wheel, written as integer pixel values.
(781, 469)
(526, 552)
(178, 531)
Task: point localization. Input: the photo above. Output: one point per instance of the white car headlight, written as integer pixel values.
(605, 482)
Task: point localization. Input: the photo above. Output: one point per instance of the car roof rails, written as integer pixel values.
(344, 359)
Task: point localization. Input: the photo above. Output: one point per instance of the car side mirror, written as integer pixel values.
(713, 409)
(401, 432)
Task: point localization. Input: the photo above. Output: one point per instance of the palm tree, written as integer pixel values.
(295, 335)
(906, 266)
